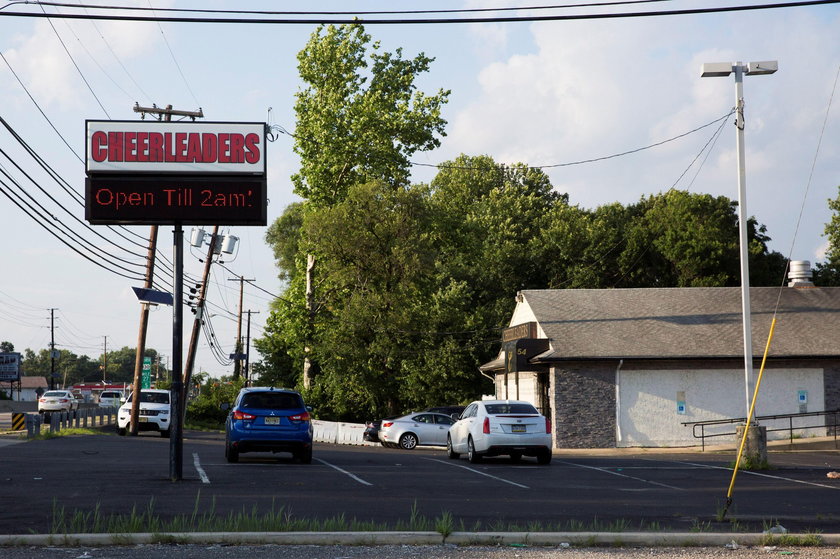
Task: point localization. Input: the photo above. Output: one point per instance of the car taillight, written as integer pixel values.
(64, 400)
(547, 426)
(300, 416)
(242, 415)
(486, 425)
(387, 423)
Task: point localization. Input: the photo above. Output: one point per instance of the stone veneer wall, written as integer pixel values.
(584, 406)
(831, 382)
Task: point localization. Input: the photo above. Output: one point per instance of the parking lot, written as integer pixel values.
(626, 489)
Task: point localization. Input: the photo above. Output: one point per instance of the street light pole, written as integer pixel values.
(721, 69)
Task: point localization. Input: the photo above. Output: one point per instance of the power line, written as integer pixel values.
(418, 21)
(79, 70)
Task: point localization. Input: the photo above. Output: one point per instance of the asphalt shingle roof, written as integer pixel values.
(685, 322)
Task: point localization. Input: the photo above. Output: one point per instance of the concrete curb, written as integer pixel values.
(535, 539)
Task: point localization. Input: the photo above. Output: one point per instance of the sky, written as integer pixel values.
(553, 94)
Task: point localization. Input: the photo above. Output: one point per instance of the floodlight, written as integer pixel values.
(715, 69)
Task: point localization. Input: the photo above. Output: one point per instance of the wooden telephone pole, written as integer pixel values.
(166, 115)
(237, 366)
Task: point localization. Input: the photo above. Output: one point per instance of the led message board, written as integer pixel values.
(157, 173)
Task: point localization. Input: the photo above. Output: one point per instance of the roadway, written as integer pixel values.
(623, 490)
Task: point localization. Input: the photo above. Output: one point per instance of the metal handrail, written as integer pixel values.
(790, 428)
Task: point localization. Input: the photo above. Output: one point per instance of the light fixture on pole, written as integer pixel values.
(723, 69)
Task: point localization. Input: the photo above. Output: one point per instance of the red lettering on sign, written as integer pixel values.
(115, 147)
(252, 154)
(98, 151)
(224, 148)
(130, 146)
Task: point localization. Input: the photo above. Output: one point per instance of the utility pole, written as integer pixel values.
(248, 349)
(199, 317)
(52, 349)
(237, 365)
(166, 115)
(141, 336)
(308, 369)
(104, 358)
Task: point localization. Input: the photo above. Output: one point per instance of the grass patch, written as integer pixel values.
(204, 518)
(47, 434)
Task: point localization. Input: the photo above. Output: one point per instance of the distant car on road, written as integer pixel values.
(452, 411)
(266, 419)
(415, 429)
(498, 427)
(371, 433)
(155, 413)
(57, 400)
(110, 399)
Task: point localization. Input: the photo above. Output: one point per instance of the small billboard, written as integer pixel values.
(9, 367)
(189, 173)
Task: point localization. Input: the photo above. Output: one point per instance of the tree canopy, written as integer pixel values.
(415, 281)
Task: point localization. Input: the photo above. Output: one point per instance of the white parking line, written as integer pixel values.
(199, 469)
(759, 474)
(451, 463)
(621, 475)
(357, 478)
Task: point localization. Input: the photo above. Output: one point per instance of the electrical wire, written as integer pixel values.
(421, 21)
(380, 12)
(175, 60)
(70, 56)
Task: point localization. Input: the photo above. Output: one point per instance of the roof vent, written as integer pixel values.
(800, 274)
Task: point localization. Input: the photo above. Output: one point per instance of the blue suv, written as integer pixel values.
(265, 419)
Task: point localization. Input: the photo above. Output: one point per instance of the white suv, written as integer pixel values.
(155, 413)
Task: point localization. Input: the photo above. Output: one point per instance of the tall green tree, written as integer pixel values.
(360, 116)
(827, 273)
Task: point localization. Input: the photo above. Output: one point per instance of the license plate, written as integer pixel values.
(143, 419)
(517, 428)
(272, 421)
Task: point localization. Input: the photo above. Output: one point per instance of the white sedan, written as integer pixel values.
(498, 427)
(57, 400)
(409, 431)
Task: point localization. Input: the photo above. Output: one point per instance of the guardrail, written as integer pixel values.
(80, 418)
(339, 433)
(831, 427)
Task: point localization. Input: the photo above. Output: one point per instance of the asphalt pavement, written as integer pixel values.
(640, 497)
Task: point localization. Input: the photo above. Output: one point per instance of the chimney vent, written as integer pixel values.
(800, 274)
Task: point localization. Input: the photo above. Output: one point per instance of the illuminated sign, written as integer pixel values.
(155, 173)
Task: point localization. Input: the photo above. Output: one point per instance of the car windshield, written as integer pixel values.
(153, 397)
(495, 409)
(55, 394)
(271, 401)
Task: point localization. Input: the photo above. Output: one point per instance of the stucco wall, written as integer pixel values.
(648, 412)
(584, 406)
(527, 387)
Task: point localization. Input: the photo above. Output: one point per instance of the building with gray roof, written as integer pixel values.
(629, 367)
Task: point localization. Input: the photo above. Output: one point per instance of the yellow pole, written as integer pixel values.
(749, 418)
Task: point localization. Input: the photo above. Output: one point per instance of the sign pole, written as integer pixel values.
(176, 431)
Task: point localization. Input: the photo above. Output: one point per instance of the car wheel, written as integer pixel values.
(515, 457)
(474, 456)
(121, 431)
(408, 441)
(449, 452)
(304, 456)
(231, 453)
(544, 457)
(166, 434)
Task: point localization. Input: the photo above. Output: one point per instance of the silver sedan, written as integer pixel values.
(421, 428)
